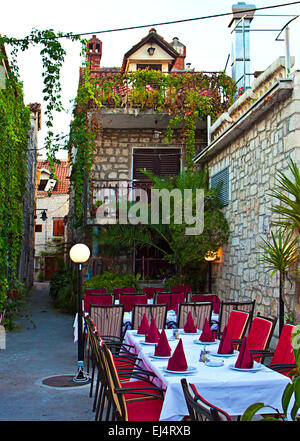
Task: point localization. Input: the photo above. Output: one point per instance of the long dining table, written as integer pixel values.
(226, 387)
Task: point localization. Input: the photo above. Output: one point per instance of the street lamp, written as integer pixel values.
(210, 257)
(80, 254)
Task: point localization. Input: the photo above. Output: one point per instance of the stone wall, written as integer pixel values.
(254, 159)
(113, 157)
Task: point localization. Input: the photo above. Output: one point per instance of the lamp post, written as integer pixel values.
(80, 254)
(210, 257)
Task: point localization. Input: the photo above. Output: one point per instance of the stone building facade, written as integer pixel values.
(253, 141)
(51, 217)
(26, 259)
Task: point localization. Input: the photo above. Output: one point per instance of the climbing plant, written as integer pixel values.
(14, 129)
(186, 97)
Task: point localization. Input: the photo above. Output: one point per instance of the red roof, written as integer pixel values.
(62, 173)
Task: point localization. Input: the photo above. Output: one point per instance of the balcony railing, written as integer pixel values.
(110, 193)
(156, 90)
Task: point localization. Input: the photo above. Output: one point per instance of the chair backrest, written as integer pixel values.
(108, 319)
(284, 353)
(161, 298)
(227, 307)
(237, 324)
(97, 299)
(151, 290)
(203, 297)
(199, 311)
(158, 312)
(199, 409)
(113, 382)
(132, 299)
(260, 334)
(171, 298)
(118, 291)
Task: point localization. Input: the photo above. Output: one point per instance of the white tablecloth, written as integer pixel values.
(171, 317)
(231, 390)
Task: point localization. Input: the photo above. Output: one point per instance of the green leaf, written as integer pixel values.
(251, 411)
(286, 397)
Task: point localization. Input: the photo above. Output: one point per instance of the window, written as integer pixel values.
(149, 66)
(221, 180)
(38, 228)
(161, 162)
(58, 227)
(42, 184)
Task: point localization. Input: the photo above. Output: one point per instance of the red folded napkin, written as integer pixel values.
(162, 348)
(144, 326)
(153, 334)
(190, 325)
(225, 346)
(207, 334)
(178, 361)
(245, 358)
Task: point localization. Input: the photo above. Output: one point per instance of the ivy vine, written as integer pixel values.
(14, 130)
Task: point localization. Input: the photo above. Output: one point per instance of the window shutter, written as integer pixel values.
(161, 162)
(58, 227)
(221, 178)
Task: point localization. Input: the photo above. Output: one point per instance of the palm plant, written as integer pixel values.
(170, 239)
(287, 192)
(280, 256)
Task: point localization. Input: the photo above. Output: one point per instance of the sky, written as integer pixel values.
(208, 42)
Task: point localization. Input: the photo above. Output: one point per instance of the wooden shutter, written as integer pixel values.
(161, 162)
(58, 227)
(221, 179)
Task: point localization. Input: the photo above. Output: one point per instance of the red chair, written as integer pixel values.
(97, 299)
(237, 324)
(177, 298)
(118, 291)
(207, 298)
(172, 299)
(161, 298)
(132, 299)
(283, 358)
(181, 288)
(259, 336)
(137, 400)
(200, 409)
(151, 290)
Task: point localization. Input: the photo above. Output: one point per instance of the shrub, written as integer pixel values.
(111, 280)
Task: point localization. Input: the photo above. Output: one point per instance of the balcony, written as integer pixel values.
(113, 193)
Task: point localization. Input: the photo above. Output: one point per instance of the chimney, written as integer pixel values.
(181, 49)
(94, 53)
(240, 51)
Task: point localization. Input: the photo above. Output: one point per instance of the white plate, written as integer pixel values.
(160, 357)
(189, 333)
(148, 343)
(198, 342)
(215, 354)
(189, 370)
(214, 363)
(256, 367)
